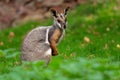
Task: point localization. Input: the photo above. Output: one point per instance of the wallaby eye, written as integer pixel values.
(58, 20)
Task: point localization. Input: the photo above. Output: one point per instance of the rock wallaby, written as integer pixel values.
(41, 42)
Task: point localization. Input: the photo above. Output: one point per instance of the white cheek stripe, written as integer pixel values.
(46, 40)
(59, 25)
(48, 52)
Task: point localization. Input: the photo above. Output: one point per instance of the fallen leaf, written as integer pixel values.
(1, 43)
(11, 34)
(107, 29)
(86, 39)
(118, 46)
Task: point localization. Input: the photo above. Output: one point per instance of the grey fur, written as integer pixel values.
(34, 45)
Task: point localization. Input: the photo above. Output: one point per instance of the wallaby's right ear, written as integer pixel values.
(66, 10)
(54, 13)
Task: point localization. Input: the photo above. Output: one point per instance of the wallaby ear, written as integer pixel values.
(54, 13)
(66, 10)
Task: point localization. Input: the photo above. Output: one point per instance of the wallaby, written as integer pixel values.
(41, 42)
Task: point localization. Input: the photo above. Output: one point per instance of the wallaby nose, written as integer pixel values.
(64, 25)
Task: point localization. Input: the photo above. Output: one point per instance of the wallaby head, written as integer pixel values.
(60, 18)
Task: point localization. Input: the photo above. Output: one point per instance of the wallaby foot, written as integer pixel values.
(47, 62)
(54, 54)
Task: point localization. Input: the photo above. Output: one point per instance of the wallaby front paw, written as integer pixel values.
(54, 53)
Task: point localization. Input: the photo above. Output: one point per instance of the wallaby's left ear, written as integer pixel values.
(66, 10)
(54, 13)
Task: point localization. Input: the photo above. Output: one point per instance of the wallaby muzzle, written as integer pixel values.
(64, 25)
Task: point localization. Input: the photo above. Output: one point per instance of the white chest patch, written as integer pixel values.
(46, 40)
(48, 52)
(59, 25)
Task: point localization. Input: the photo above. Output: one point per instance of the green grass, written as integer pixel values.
(98, 59)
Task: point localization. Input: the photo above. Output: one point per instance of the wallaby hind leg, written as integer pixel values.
(47, 60)
(48, 56)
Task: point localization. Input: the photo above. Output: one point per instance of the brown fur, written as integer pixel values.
(53, 42)
(59, 10)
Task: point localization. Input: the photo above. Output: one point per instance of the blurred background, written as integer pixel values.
(13, 12)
